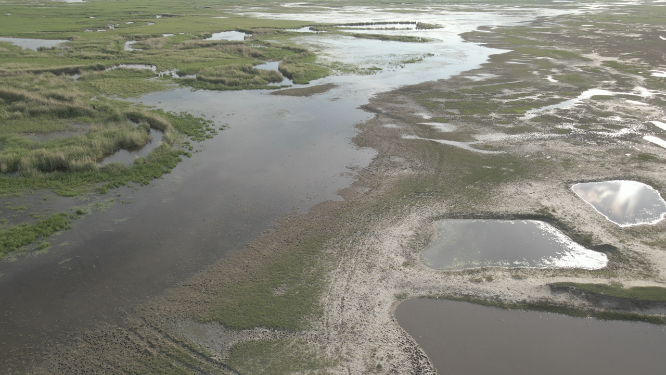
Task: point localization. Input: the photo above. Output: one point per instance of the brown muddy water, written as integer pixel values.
(464, 338)
(278, 154)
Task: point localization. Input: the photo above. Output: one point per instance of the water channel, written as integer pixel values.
(463, 338)
(278, 154)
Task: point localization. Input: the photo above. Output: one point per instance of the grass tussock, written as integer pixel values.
(282, 295)
(25, 234)
(301, 68)
(278, 357)
(393, 38)
(235, 77)
(563, 309)
(648, 293)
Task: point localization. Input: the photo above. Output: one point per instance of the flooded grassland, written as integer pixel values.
(318, 292)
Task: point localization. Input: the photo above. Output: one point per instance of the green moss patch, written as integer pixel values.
(648, 293)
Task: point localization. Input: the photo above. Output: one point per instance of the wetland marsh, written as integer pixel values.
(279, 233)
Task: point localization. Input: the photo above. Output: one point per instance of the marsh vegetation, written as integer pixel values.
(290, 300)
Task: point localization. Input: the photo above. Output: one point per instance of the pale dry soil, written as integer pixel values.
(386, 220)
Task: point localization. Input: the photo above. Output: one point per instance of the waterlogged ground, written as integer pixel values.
(175, 277)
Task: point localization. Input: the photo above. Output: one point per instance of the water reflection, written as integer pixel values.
(462, 338)
(128, 46)
(444, 128)
(461, 244)
(625, 203)
(464, 145)
(274, 65)
(33, 44)
(228, 35)
(128, 157)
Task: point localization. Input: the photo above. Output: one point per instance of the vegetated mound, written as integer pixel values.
(305, 91)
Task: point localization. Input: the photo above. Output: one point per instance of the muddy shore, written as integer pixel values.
(372, 239)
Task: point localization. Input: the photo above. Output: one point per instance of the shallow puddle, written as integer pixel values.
(464, 145)
(462, 244)
(274, 65)
(571, 102)
(463, 338)
(444, 128)
(306, 29)
(128, 157)
(625, 203)
(128, 46)
(656, 140)
(33, 44)
(228, 35)
(163, 73)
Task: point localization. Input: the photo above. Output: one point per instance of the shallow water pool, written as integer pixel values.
(625, 203)
(464, 338)
(462, 243)
(33, 44)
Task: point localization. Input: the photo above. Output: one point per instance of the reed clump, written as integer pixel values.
(239, 76)
(25, 234)
(301, 68)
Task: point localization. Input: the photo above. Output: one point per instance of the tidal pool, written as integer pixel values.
(462, 243)
(625, 203)
(228, 35)
(464, 338)
(33, 44)
(656, 140)
(274, 65)
(444, 128)
(464, 145)
(128, 157)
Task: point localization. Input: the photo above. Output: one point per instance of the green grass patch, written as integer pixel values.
(625, 68)
(278, 357)
(561, 131)
(649, 293)
(301, 68)
(646, 157)
(561, 309)
(124, 83)
(392, 38)
(21, 235)
(282, 295)
(234, 77)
